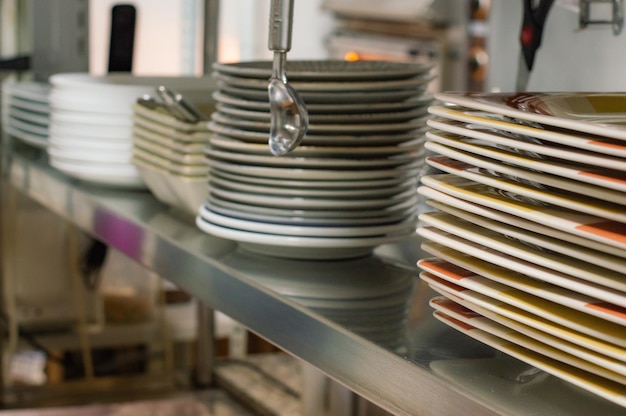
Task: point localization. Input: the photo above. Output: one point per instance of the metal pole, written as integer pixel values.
(211, 23)
(205, 359)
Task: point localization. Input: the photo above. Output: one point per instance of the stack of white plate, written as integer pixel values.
(529, 230)
(349, 292)
(91, 124)
(351, 184)
(26, 112)
(169, 154)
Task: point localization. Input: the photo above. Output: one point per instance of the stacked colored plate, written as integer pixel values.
(351, 184)
(26, 112)
(529, 229)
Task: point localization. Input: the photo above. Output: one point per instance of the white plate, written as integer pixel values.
(97, 156)
(301, 247)
(461, 160)
(318, 214)
(598, 176)
(175, 145)
(27, 127)
(283, 190)
(537, 327)
(27, 105)
(306, 231)
(328, 129)
(590, 325)
(460, 131)
(332, 118)
(319, 86)
(322, 140)
(29, 116)
(500, 282)
(36, 92)
(311, 203)
(310, 184)
(606, 288)
(468, 222)
(63, 129)
(541, 342)
(289, 173)
(35, 140)
(170, 165)
(289, 161)
(594, 113)
(127, 178)
(86, 145)
(158, 118)
(332, 97)
(327, 70)
(355, 152)
(458, 206)
(296, 218)
(536, 195)
(342, 108)
(595, 228)
(600, 386)
(568, 138)
(96, 119)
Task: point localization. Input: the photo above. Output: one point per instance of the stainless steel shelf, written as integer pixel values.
(433, 371)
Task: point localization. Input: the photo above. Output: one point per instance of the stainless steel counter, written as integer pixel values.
(429, 370)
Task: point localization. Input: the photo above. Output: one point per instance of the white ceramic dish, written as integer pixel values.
(102, 175)
(62, 129)
(460, 206)
(317, 214)
(27, 127)
(166, 153)
(329, 129)
(36, 92)
(327, 70)
(159, 118)
(568, 138)
(90, 145)
(341, 193)
(322, 140)
(449, 157)
(594, 113)
(169, 165)
(311, 184)
(297, 218)
(28, 116)
(42, 108)
(303, 230)
(301, 247)
(561, 152)
(606, 178)
(312, 162)
(168, 142)
(410, 170)
(311, 203)
(187, 193)
(35, 140)
(96, 156)
(331, 97)
(355, 152)
(343, 108)
(145, 125)
(99, 119)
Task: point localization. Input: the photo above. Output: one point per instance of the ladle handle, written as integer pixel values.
(281, 18)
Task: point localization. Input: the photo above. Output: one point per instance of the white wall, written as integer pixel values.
(169, 33)
(568, 60)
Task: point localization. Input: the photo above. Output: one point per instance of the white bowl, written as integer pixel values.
(63, 129)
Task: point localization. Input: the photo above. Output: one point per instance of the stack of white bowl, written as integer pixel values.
(351, 184)
(91, 124)
(169, 154)
(26, 112)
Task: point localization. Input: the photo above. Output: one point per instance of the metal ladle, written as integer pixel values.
(289, 116)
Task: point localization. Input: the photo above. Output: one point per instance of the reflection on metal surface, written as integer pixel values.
(439, 372)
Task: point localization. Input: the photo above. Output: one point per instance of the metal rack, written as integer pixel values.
(436, 372)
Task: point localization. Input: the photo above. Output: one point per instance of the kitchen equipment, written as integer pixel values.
(289, 114)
